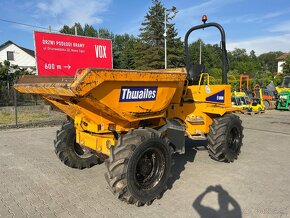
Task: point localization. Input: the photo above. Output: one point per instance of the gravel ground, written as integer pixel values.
(34, 183)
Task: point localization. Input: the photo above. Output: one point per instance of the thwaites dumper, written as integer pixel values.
(135, 120)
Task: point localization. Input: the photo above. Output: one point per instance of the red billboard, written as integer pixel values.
(62, 55)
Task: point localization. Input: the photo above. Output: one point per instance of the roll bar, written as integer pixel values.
(188, 60)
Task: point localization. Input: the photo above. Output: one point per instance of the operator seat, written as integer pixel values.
(194, 73)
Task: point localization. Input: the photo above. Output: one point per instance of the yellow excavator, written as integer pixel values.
(135, 120)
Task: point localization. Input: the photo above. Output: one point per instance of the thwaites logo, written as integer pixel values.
(217, 97)
(138, 93)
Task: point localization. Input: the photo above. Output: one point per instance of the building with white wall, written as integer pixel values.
(281, 60)
(17, 55)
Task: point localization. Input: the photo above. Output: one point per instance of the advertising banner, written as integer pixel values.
(61, 55)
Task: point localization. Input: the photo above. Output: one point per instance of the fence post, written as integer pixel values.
(15, 108)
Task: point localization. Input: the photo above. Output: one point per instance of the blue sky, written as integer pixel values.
(260, 25)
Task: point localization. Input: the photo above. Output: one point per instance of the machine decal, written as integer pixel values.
(207, 89)
(217, 97)
(138, 93)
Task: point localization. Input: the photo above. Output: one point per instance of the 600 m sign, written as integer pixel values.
(62, 55)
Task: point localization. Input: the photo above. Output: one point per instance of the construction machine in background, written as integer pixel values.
(267, 94)
(134, 120)
(257, 103)
(285, 85)
(241, 100)
(283, 102)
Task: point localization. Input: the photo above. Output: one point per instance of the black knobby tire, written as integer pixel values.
(139, 167)
(225, 138)
(70, 152)
(267, 104)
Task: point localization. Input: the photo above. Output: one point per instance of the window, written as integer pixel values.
(10, 56)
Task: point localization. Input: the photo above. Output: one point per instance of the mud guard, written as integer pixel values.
(175, 132)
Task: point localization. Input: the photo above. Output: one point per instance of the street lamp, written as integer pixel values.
(165, 35)
(200, 52)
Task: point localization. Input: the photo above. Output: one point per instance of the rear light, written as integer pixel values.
(112, 126)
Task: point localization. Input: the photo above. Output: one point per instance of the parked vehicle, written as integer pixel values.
(283, 102)
(135, 120)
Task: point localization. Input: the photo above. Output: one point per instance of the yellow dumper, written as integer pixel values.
(135, 120)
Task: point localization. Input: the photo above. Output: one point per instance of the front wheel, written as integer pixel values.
(267, 104)
(139, 167)
(225, 138)
(71, 153)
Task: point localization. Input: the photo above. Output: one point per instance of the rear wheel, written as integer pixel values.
(71, 153)
(139, 167)
(225, 138)
(267, 104)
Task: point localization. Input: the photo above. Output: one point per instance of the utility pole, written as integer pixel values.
(199, 51)
(76, 30)
(165, 38)
(165, 34)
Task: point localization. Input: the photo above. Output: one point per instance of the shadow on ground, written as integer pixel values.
(228, 206)
(191, 148)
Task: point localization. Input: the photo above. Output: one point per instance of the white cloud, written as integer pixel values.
(66, 12)
(249, 18)
(259, 19)
(263, 44)
(191, 16)
(281, 27)
(195, 9)
(205, 7)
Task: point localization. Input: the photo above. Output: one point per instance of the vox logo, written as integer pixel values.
(101, 51)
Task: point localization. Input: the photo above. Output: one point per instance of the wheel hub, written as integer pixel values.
(234, 140)
(145, 166)
(82, 151)
(149, 169)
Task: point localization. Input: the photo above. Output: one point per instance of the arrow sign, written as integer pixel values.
(68, 66)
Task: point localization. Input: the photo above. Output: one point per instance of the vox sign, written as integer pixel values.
(61, 55)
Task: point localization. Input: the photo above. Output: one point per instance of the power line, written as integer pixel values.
(25, 24)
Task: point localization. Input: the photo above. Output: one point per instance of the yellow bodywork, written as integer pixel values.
(244, 100)
(257, 104)
(282, 89)
(93, 101)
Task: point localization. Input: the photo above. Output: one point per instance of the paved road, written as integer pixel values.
(34, 183)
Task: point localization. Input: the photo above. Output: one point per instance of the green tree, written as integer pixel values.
(67, 30)
(210, 57)
(9, 73)
(150, 50)
(242, 62)
(4, 70)
(124, 51)
(105, 34)
(89, 30)
(268, 61)
(71, 30)
(193, 50)
(286, 67)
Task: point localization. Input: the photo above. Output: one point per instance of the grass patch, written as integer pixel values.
(27, 116)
